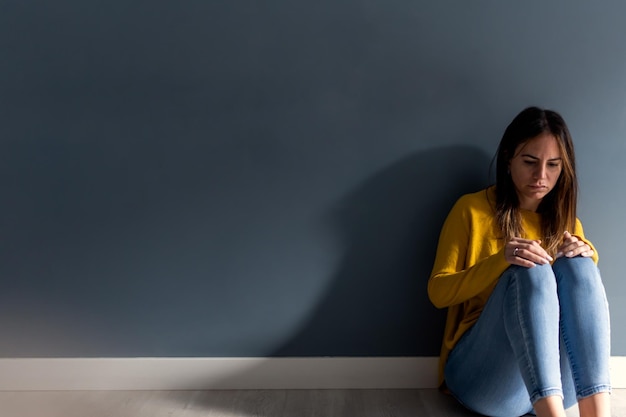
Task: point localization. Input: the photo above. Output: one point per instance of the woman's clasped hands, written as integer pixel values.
(528, 253)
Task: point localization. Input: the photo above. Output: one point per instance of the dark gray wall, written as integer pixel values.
(245, 178)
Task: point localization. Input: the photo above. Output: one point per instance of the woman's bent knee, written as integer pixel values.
(581, 273)
(577, 266)
(539, 278)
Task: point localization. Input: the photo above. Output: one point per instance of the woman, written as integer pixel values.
(528, 323)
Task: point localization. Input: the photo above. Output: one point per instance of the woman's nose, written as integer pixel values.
(540, 172)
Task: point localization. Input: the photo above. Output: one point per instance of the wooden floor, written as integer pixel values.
(262, 403)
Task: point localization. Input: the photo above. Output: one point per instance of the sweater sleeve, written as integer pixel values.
(580, 234)
(452, 281)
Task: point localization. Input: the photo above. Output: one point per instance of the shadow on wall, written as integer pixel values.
(377, 303)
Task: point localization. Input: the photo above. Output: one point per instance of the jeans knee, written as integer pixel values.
(577, 262)
(539, 278)
(577, 271)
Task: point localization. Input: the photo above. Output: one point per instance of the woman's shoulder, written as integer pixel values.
(473, 211)
(479, 201)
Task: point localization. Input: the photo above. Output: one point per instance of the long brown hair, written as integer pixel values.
(557, 208)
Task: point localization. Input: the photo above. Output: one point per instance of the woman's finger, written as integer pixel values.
(526, 253)
(577, 249)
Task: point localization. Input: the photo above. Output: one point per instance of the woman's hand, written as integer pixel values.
(572, 247)
(524, 252)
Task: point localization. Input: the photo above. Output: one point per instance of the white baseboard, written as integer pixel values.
(618, 372)
(215, 373)
(41, 374)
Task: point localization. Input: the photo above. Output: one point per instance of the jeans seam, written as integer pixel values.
(570, 356)
(574, 369)
(596, 389)
(546, 392)
(522, 324)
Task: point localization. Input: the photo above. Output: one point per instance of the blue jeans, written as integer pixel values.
(544, 331)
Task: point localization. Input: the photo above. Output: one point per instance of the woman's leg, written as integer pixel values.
(597, 405)
(585, 329)
(510, 357)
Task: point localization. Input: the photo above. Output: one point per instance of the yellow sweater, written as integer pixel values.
(469, 261)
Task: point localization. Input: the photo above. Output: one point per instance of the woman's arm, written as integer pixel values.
(453, 280)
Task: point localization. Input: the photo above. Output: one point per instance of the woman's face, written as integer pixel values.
(535, 169)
